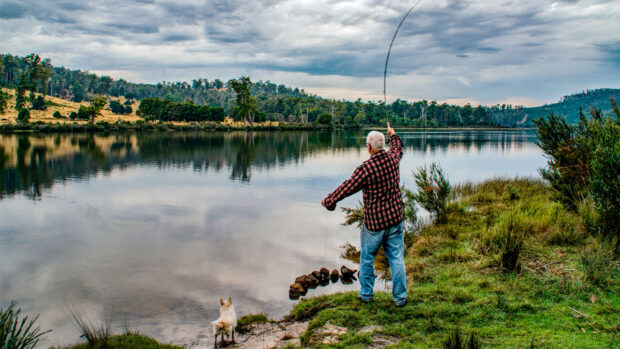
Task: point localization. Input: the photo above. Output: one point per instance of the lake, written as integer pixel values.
(151, 229)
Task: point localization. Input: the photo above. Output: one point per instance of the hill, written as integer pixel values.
(568, 107)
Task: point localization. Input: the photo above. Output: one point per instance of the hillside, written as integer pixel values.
(568, 107)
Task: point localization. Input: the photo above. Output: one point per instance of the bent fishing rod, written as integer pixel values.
(387, 58)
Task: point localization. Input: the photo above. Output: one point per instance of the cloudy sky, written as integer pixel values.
(484, 51)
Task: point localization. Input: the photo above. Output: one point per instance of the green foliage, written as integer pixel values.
(92, 110)
(23, 115)
(116, 107)
(354, 215)
(57, 115)
(605, 186)
(73, 115)
(4, 100)
(584, 161)
(166, 110)
(324, 119)
(39, 103)
(433, 190)
(246, 104)
(17, 332)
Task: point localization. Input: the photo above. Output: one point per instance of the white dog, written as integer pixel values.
(226, 323)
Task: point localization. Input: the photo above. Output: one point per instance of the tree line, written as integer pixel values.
(266, 100)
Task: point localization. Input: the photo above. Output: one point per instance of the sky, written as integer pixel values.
(526, 52)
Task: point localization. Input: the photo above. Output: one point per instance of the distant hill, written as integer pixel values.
(568, 107)
(277, 102)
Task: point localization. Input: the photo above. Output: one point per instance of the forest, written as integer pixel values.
(274, 102)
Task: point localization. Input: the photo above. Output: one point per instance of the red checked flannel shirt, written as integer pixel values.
(379, 180)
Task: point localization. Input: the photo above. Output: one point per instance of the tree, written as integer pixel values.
(324, 119)
(39, 103)
(96, 104)
(23, 115)
(246, 104)
(4, 100)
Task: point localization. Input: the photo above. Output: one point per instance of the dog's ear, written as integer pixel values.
(229, 300)
(221, 301)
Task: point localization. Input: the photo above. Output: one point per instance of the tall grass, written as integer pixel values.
(18, 332)
(96, 334)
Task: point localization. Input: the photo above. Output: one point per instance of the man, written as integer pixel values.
(379, 180)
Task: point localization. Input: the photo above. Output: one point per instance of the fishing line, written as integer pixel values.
(387, 58)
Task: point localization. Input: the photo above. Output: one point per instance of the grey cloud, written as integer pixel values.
(10, 10)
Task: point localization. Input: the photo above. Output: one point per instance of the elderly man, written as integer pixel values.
(378, 178)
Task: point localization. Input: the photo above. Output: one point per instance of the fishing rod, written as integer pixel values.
(387, 58)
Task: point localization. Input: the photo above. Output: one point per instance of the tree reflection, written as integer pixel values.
(29, 164)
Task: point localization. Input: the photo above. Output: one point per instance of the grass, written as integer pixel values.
(560, 296)
(128, 340)
(244, 322)
(16, 331)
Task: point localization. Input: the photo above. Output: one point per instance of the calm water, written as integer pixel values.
(152, 229)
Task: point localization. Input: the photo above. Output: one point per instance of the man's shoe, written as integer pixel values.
(365, 301)
(400, 305)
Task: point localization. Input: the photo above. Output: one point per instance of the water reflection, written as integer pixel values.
(32, 164)
(154, 228)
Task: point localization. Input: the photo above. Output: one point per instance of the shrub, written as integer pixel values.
(16, 332)
(39, 103)
(506, 238)
(96, 334)
(598, 266)
(605, 188)
(324, 119)
(57, 115)
(73, 115)
(4, 101)
(433, 190)
(23, 115)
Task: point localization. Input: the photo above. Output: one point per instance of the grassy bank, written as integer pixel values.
(561, 296)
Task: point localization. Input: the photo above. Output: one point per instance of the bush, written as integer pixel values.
(584, 161)
(57, 115)
(4, 101)
(598, 266)
(73, 115)
(23, 115)
(324, 119)
(605, 188)
(39, 103)
(16, 332)
(506, 238)
(433, 191)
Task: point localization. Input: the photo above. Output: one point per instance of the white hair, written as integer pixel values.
(376, 140)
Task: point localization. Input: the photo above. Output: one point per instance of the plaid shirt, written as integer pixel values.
(379, 179)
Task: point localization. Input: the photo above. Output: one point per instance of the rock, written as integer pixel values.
(328, 334)
(298, 287)
(311, 281)
(317, 274)
(324, 273)
(335, 275)
(300, 279)
(346, 272)
(324, 282)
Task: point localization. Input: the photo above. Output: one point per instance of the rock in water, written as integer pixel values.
(346, 272)
(324, 273)
(317, 274)
(335, 275)
(300, 280)
(298, 287)
(312, 282)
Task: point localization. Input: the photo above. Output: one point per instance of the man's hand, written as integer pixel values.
(323, 203)
(390, 131)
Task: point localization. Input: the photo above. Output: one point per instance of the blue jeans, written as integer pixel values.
(392, 241)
